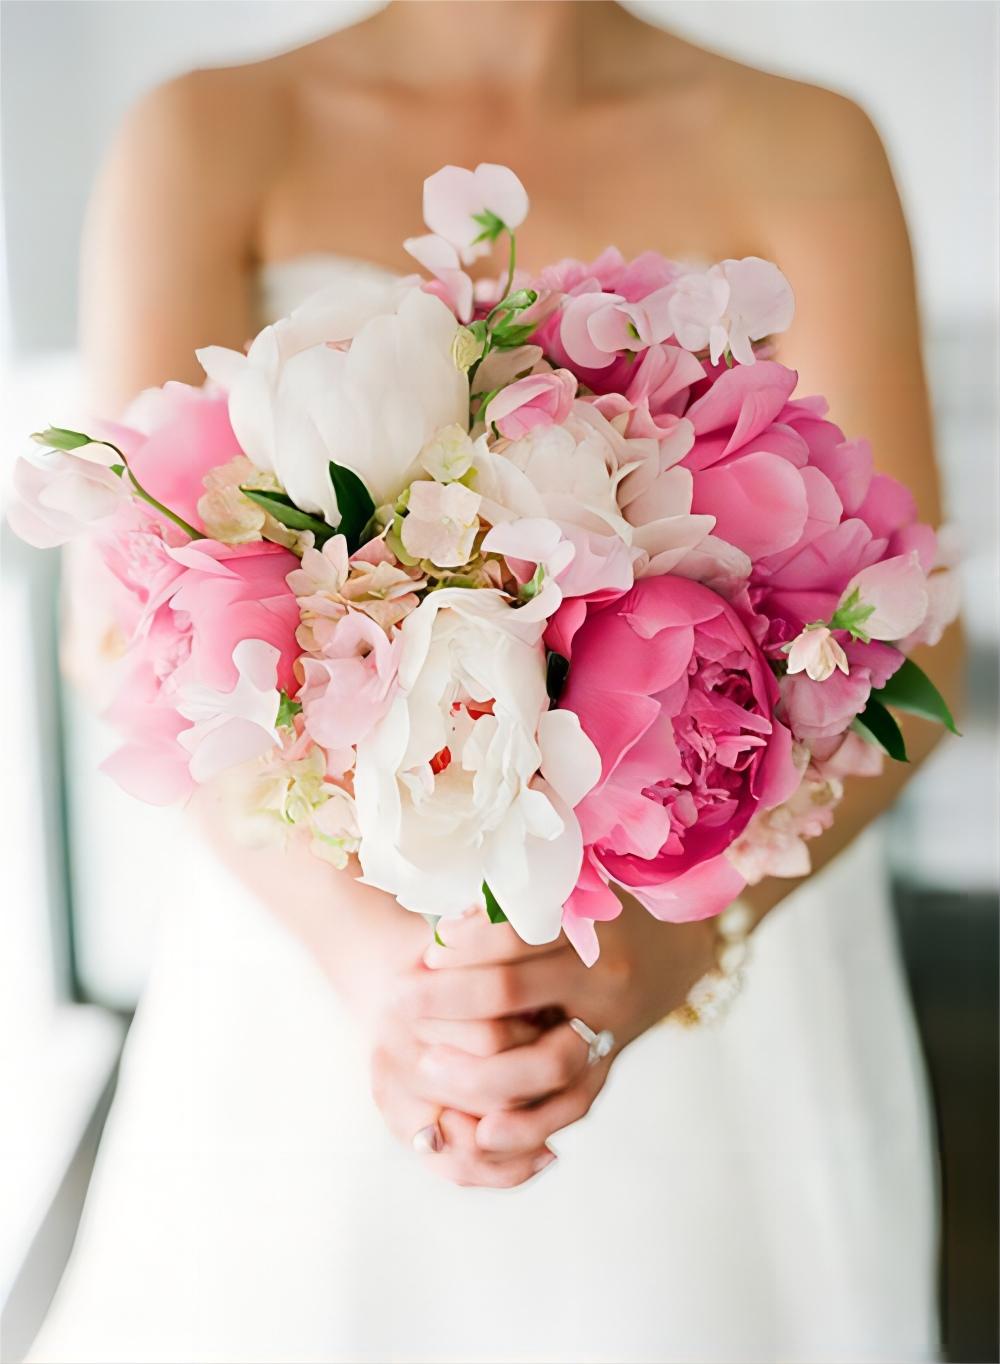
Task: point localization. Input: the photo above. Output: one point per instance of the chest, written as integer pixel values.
(656, 175)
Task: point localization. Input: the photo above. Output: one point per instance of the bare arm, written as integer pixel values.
(856, 339)
(168, 241)
(167, 266)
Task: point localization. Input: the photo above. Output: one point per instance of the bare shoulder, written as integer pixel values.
(792, 133)
(229, 117)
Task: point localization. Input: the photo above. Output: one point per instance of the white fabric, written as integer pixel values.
(758, 1191)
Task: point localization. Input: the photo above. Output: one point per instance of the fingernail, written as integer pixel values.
(429, 1140)
(542, 1162)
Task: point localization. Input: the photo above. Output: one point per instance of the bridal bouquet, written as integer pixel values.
(516, 590)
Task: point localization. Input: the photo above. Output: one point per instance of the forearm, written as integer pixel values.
(357, 934)
(865, 798)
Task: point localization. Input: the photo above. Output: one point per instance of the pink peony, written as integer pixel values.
(189, 629)
(173, 436)
(537, 400)
(669, 684)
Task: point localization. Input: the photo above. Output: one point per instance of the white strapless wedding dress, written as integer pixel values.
(758, 1191)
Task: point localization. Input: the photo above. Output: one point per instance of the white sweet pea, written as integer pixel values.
(232, 727)
(441, 523)
(816, 653)
(469, 778)
(729, 306)
(60, 496)
(301, 397)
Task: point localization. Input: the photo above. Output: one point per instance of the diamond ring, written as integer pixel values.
(599, 1044)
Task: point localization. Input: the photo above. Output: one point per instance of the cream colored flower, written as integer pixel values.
(441, 523)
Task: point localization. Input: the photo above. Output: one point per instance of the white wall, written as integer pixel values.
(924, 69)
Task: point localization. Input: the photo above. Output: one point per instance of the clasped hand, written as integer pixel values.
(475, 1037)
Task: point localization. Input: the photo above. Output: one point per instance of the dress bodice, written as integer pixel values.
(283, 285)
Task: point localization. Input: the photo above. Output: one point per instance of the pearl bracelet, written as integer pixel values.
(711, 996)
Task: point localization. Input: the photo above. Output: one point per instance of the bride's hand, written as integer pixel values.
(524, 1094)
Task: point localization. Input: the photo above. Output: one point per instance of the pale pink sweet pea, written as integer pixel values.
(817, 653)
(454, 196)
(232, 726)
(897, 589)
(670, 686)
(61, 496)
(730, 306)
(441, 259)
(536, 400)
(348, 690)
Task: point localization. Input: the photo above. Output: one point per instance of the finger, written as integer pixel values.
(412, 1119)
(473, 992)
(463, 1164)
(517, 1076)
(472, 940)
(480, 1037)
(526, 1129)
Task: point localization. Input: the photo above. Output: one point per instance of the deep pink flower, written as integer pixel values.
(670, 686)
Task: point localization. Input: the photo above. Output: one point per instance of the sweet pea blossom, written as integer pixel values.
(896, 590)
(233, 726)
(348, 689)
(452, 285)
(534, 401)
(455, 200)
(441, 523)
(817, 653)
(67, 496)
(729, 306)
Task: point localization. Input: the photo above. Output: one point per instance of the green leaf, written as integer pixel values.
(354, 502)
(287, 710)
(492, 225)
(911, 690)
(851, 615)
(493, 910)
(58, 438)
(283, 509)
(556, 672)
(877, 726)
(509, 337)
(118, 469)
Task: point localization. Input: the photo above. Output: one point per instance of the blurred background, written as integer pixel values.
(76, 939)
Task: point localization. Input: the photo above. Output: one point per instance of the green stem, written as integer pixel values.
(511, 264)
(185, 526)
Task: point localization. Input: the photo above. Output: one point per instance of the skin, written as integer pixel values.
(621, 133)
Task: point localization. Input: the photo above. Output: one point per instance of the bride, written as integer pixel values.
(332, 1142)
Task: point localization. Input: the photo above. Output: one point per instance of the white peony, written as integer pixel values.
(470, 777)
(302, 396)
